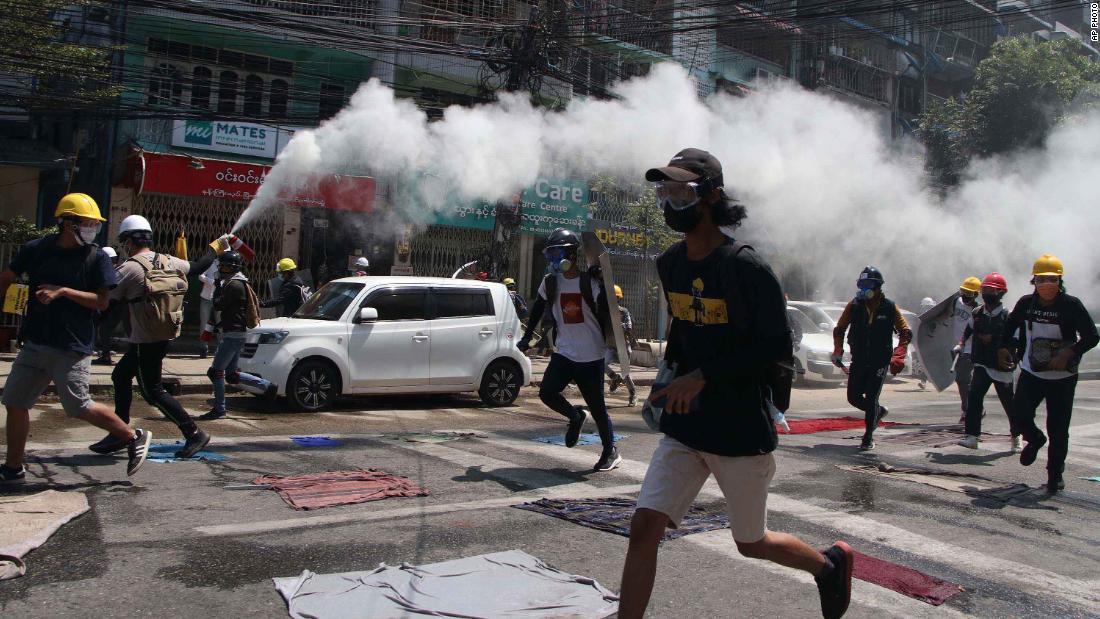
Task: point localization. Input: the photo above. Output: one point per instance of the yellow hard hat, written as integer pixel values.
(618, 292)
(971, 284)
(286, 264)
(78, 205)
(508, 281)
(1047, 264)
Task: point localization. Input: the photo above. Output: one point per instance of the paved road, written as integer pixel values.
(173, 541)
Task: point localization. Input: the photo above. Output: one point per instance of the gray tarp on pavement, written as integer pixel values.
(502, 584)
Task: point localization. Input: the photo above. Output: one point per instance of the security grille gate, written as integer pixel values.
(438, 251)
(205, 219)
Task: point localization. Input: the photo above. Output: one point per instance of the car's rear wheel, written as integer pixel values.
(501, 383)
(313, 385)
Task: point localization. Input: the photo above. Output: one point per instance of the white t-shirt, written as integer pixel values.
(960, 316)
(208, 278)
(579, 337)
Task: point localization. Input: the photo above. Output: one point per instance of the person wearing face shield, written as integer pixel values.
(70, 281)
(871, 320)
(965, 304)
(986, 328)
(578, 305)
(1047, 333)
(729, 330)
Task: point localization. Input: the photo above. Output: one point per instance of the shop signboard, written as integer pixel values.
(238, 138)
(548, 204)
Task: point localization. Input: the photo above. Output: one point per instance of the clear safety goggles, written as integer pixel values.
(1046, 279)
(678, 195)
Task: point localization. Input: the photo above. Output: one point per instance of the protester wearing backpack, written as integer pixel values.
(235, 302)
(579, 306)
(293, 292)
(152, 285)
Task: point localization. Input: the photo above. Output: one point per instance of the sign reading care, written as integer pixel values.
(547, 205)
(239, 138)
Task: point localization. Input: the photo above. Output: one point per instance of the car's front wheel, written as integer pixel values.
(313, 385)
(501, 383)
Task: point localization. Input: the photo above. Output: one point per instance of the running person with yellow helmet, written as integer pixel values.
(70, 280)
(611, 354)
(517, 299)
(1047, 332)
(965, 304)
(292, 292)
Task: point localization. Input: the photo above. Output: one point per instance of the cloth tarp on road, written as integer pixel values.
(315, 441)
(166, 452)
(829, 424)
(502, 584)
(941, 436)
(583, 439)
(613, 515)
(317, 490)
(27, 521)
(439, 436)
(904, 580)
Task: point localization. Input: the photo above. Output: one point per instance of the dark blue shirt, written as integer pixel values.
(63, 324)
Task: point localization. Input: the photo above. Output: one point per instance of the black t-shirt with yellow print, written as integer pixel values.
(728, 319)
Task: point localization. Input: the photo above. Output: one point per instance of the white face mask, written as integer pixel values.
(87, 234)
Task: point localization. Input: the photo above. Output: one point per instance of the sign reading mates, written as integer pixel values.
(239, 138)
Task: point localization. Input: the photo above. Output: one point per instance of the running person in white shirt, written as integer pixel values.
(578, 305)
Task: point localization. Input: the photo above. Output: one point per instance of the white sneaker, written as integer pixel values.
(1017, 444)
(970, 442)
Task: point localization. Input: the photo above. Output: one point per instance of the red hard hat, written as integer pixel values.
(995, 281)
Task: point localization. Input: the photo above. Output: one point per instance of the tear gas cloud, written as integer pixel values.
(826, 191)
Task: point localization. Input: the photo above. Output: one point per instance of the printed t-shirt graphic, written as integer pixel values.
(571, 311)
(696, 308)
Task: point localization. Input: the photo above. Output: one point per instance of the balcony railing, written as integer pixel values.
(650, 33)
(856, 77)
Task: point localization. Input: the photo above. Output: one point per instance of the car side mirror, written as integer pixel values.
(368, 314)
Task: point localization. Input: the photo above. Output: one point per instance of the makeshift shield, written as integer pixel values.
(594, 249)
(934, 340)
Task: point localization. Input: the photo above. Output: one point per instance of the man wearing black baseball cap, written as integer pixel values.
(729, 331)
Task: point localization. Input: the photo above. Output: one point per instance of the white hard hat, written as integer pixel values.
(110, 251)
(927, 302)
(132, 224)
(362, 262)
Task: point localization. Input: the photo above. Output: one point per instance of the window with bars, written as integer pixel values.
(165, 85)
(351, 12)
(227, 92)
(253, 95)
(201, 79)
(330, 101)
(280, 94)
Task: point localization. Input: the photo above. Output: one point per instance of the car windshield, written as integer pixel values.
(798, 317)
(330, 302)
(815, 314)
(833, 312)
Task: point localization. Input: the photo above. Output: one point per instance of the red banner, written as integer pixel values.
(234, 180)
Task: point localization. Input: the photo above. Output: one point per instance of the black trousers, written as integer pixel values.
(1030, 391)
(864, 387)
(962, 379)
(589, 378)
(980, 380)
(143, 362)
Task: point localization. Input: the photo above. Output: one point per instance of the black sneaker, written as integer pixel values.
(9, 475)
(610, 459)
(1031, 451)
(104, 360)
(616, 382)
(867, 444)
(193, 444)
(138, 449)
(212, 415)
(108, 445)
(573, 432)
(271, 393)
(1055, 484)
(835, 583)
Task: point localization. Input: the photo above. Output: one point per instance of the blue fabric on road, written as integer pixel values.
(315, 441)
(585, 439)
(166, 452)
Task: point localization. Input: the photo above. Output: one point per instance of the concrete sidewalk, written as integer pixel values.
(187, 374)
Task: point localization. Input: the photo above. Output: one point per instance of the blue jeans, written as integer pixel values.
(225, 366)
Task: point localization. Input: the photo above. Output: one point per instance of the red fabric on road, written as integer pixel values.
(904, 580)
(829, 424)
(317, 490)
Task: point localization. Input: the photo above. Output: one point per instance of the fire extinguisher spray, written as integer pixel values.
(227, 242)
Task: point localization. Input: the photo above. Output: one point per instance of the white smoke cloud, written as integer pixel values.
(826, 191)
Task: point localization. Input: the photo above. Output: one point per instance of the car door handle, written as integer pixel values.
(486, 331)
(420, 338)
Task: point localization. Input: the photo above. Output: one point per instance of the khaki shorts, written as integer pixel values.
(37, 366)
(677, 473)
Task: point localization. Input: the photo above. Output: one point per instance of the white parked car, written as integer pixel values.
(390, 335)
(825, 317)
(814, 351)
